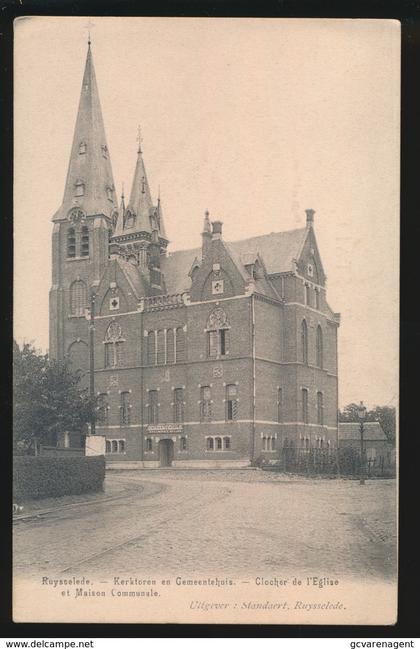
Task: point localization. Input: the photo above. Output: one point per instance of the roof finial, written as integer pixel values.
(89, 25)
(139, 139)
(122, 191)
(159, 194)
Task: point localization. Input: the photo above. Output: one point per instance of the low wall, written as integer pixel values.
(42, 477)
(179, 464)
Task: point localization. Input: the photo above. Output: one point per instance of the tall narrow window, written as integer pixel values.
(114, 346)
(317, 300)
(213, 338)
(107, 446)
(149, 444)
(307, 295)
(305, 405)
(304, 342)
(153, 407)
(183, 444)
(180, 344)
(219, 444)
(279, 405)
(161, 347)
(170, 346)
(210, 444)
(320, 408)
(178, 405)
(102, 409)
(125, 409)
(71, 242)
(319, 347)
(226, 441)
(151, 348)
(79, 188)
(231, 402)
(205, 403)
(84, 242)
(78, 298)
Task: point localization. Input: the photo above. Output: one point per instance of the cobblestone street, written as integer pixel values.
(225, 522)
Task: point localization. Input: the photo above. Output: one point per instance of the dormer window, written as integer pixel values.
(310, 270)
(104, 150)
(82, 148)
(129, 219)
(79, 188)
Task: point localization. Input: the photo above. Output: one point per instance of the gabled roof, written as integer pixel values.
(134, 277)
(373, 431)
(277, 249)
(176, 267)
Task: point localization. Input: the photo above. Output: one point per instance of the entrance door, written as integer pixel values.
(166, 452)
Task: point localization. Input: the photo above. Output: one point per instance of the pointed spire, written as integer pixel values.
(207, 224)
(143, 216)
(89, 184)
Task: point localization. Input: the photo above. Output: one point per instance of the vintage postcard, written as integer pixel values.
(206, 320)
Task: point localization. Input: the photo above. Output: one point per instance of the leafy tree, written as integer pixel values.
(386, 416)
(48, 399)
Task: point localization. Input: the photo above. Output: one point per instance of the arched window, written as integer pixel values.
(78, 298)
(183, 444)
(304, 405)
(273, 443)
(107, 446)
(304, 342)
(71, 243)
(78, 354)
(210, 443)
(217, 333)
(79, 188)
(84, 242)
(180, 344)
(149, 444)
(129, 219)
(114, 446)
(121, 446)
(218, 441)
(319, 347)
(226, 441)
(161, 347)
(114, 346)
(264, 443)
(151, 348)
(320, 408)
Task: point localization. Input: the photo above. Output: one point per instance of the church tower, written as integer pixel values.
(140, 231)
(83, 225)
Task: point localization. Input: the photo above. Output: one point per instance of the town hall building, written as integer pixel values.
(220, 355)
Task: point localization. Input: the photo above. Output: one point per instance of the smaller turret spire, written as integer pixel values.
(207, 224)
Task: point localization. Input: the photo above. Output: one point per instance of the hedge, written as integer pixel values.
(42, 477)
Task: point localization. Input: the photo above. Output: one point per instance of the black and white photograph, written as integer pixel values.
(205, 356)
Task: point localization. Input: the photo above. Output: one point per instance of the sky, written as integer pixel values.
(253, 119)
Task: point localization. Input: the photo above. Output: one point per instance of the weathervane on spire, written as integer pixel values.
(139, 139)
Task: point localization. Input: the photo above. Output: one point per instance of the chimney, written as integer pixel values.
(206, 235)
(309, 216)
(217, 230)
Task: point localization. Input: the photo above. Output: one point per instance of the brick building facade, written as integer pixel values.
(222, 354)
